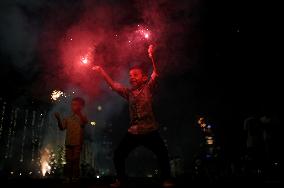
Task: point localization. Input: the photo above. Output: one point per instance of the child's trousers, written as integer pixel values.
(152, 141)
(72, 155)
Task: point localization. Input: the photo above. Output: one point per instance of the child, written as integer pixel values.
(74, 125)
(143, 128)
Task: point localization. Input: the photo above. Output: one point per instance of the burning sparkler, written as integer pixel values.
(88, 57)
(56, 94)
(44, 161)
(84, 60)
(145, 33)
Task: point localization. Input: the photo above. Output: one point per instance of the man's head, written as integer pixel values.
(137, 77)
(77, 104)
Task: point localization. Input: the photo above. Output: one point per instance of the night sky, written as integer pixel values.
(218, 62)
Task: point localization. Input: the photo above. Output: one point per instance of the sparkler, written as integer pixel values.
(44, 161)
(88, 56)
(141, 33)
(56, 94)
(145, 33)
(84, 60)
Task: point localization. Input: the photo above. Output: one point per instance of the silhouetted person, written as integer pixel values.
(143, 126)
(74, 126)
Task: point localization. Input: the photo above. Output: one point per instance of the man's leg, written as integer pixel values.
(128, 143)
(155, 143)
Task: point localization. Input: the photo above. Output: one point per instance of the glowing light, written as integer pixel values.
(56, 94)
(44, 161)
(100, 108)
(201, 122)
(12, 173)
(84, 60)
(98, 177)
(93, 123)
(71, 39)
(144, 33)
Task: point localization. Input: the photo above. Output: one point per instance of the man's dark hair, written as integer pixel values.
(139, 68)
(80, 100)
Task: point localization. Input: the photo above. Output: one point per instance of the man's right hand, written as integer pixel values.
(57, 115)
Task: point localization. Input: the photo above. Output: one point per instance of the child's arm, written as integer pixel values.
(59, 121)
(114, 85)
(106, 77)
(150, 53)
(154, 74)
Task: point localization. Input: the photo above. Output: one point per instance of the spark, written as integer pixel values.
(144, 33)
(100, 108)
(44, 161)
(56, 94)
(84, 60)
(93, 123)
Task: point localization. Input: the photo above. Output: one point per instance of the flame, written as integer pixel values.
(143, 32)
(44, 161)
(84, 60)
(56, 94)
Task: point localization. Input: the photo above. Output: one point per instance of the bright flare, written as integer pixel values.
(44, 161)
(84, 60)
(56, 94)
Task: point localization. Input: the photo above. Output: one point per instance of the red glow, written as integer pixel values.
(146, 35)
(84, 60)
(142, 32)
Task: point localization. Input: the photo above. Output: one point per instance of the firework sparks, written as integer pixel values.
(84, 60)
(56, 94)
(44, 162)
(93, 123)
(144, 33)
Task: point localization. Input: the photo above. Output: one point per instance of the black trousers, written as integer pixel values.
(152, 141)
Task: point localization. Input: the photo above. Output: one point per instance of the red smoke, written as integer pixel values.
(114, 36)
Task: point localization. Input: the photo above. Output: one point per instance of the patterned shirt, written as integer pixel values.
(140, 105)
(74, 130)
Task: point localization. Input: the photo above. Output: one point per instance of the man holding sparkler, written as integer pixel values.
(74, 126)
(143, 129)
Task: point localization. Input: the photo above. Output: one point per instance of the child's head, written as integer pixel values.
(137, 76)
(77, 104)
